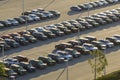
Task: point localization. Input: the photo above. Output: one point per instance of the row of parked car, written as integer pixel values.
(60, 29)
(86, 44)
(93, 5)
(21, 65)
(29, 17)
(67, 51)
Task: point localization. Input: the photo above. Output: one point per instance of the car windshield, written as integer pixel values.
(40, 62)
(22, 39)
(49, 59)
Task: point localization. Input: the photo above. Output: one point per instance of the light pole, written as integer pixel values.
(67, 77)
(23, 10)
(104, 51)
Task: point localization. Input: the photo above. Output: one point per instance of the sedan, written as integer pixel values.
(13, 22)
(29, 38)
(39, 35)
(99, 45)
(75, 8)
(49, 61)
(38, 64)
(21, 40)
(62, 46)
(114, 40)
(27, 66)
(12, 43)
(73, 52)
(55, 13)
(65, 55)
(90, 47)
(34, 17)
(107, 43)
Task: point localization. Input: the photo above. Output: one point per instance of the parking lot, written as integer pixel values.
(79, 66)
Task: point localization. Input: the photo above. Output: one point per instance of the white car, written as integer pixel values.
(65, 55)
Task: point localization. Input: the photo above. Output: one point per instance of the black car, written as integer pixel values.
(38, 64)
(39, 35)
(56, 57)
(98, 44)
(20, 20)
(75, 8)
(73, 52)
(55, 13)
(113, 17)
(29, 38)
(19, 69)
(12, 43)
(27, 66)
(48, 60)
(21, 40)
(114, 40)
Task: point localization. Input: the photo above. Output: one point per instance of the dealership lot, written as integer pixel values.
(34, 50)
